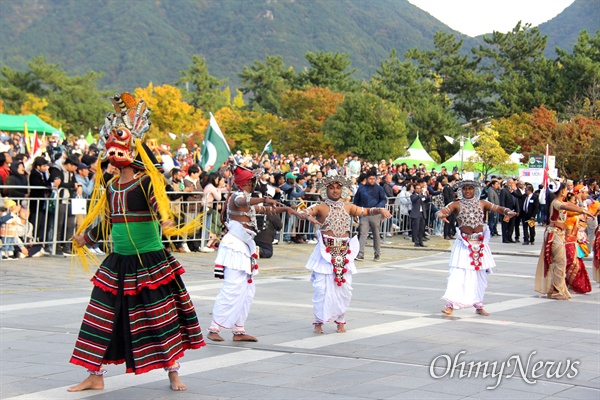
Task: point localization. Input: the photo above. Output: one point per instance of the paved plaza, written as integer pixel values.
(398, 344)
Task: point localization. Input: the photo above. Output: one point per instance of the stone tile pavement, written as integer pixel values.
(398, 345)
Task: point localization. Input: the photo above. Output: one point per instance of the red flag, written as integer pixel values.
(36, 144)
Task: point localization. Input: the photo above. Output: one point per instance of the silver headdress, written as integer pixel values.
(346, 183)
(476, 185)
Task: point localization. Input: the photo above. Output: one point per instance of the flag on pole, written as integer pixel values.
(546, 170)
(215, 150)
(36, 143)
(268, 148)
(27, 138)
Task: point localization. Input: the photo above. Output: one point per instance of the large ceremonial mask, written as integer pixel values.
(123, 130)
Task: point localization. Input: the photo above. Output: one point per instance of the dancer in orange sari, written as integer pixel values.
(576, 275)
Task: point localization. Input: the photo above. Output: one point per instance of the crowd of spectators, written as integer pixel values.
(41, 186)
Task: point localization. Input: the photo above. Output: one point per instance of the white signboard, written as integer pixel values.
(535, 176)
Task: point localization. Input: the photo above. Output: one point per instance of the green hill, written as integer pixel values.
(564, 29)
(134, 42)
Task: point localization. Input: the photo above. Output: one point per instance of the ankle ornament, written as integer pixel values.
(173, 368)
(101, 372)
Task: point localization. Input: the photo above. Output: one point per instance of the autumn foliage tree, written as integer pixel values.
(170, 113)
(305, 112)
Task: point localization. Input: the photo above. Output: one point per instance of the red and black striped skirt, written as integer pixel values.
(140, 314)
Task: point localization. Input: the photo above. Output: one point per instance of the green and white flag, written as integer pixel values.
(268, 148)
(215, 150)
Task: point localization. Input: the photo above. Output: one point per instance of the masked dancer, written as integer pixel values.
(140, 312)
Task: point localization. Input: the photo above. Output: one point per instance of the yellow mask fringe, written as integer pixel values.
(158, 183)
(98, 210)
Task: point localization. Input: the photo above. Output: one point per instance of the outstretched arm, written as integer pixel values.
(357, 211)
(445, 212)
(507, 212)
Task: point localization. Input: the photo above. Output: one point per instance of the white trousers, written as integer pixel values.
(233, 302)
(329, 299)
(466, 288)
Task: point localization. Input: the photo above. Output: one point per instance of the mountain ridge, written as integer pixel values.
(153, 41)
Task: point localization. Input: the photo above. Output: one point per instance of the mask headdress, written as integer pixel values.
(346, 183)
(122, 130)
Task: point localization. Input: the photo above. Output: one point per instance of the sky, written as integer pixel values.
(476, 17)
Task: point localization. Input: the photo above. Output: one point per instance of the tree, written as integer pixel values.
(202, 89)
(72, 101)
(328, 70)
(512, 131)
(368, 126)
(170, 114)
(305, 113)
(524, 78)
(266, 82)
(419, 95)
(580, 72)
(492, 156)
(460, 80)
(574, 142)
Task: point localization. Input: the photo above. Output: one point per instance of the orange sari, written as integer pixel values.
(576, 275)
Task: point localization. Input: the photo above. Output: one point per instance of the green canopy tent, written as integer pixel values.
(469, 155)
(416, 155)
(16, 123)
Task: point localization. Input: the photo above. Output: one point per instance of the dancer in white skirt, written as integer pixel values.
(332, 261)
(236, 257)
(471, 259)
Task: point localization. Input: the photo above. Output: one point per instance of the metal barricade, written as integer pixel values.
(53, 223)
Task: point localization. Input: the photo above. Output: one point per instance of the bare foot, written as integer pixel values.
(176, 383)
(318, 329)
(92, 382)
(244, 338)
(341, 328)
(447, 311)
(558, 297)
(481, 311)
(215, 337)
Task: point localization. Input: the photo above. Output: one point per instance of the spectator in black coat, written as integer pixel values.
(531, 207)
(449, 196)
(264, 238)
(509, 201)
(419, 199)
(39, 192)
